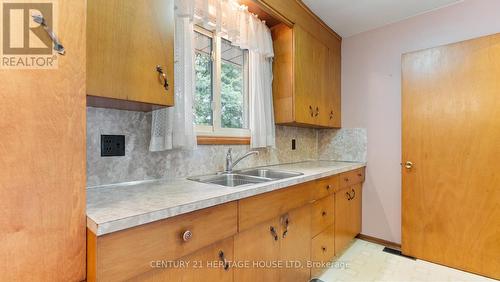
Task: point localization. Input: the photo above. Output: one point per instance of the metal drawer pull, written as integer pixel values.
(163, 76)
(328, 187)
(323, 249)
(222, 257)
(286, 222)
(311, 110)
(187, 235)
(273, 233)
(353, 194)
(323, 213)
(57, 45)
(331, 114)
(348, 196)
(317, 112)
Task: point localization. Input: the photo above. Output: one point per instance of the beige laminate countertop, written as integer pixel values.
(116, 207)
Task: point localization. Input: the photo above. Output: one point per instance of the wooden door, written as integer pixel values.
(451, 134)
(343, 229)
(296, 244)
(258, 245)
(311, 75)
(42, 161)
(212, 263)
(127, 40)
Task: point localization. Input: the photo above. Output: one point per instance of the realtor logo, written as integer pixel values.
(26, 44)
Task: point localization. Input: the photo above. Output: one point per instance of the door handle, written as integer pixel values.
(408, 165)
(163, 76)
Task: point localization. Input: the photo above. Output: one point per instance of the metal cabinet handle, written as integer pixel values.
(323, 213)
(57, 44)
(353, 194)
(331, 114)
(311, 112)
(163, 76)
(286, 222)
(323, 249)
(317, 111)
(328, 187)
(187, 235)
(274, 233)
(222, 257)
(348, 196)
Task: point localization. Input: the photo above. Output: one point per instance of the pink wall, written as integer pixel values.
(371, 96)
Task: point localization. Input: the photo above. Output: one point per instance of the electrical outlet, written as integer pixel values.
(293, 144)
(112, 145)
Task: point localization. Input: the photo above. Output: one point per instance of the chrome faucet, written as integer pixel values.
(229, 159)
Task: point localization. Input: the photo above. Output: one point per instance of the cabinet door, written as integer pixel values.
(355, 209)
(343, 229)
(296, 244)
(258, 245)
(209, 264)
(311, 75)
(127, 39)
(332, 97)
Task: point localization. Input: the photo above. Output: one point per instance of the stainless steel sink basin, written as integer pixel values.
(269, 173)
(230, 179)
(245, 177)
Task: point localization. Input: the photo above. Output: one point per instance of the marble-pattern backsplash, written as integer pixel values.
(141, 164)
(346, 144)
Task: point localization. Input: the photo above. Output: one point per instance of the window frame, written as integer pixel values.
(216, 131)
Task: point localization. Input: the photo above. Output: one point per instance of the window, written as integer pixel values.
(221, 92)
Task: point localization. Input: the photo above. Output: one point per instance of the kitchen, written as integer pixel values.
(221, 140)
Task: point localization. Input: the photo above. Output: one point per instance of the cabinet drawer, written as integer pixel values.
(326, 186)
(125, 254)
(322, 214)
(352, 177)
(322, 249)
(264, 207)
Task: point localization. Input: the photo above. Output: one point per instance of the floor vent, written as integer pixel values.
(397, 252)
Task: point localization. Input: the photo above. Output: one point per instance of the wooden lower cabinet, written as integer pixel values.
(347, 216)
(295, 247)
(259, 244)
(286, 235)
(212, 263)
(279, 255)
(322, 250)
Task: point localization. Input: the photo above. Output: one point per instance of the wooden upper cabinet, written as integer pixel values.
(306, 85)
(127, 41)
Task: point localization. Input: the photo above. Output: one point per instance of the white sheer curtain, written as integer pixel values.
(173, 127)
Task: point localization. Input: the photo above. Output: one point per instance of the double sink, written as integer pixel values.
(244, 177)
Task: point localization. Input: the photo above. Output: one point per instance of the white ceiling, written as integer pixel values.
(350, 17)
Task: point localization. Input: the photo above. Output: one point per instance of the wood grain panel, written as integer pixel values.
(296, 245)
(257, 244)
(203, 265)
(326, 186)
(343, 222)
(322, 214)
(450, 131)
(126, 254)
(42, 149)
(311, 75)
(352, 177)
(128, 39)
(283, 73)
(264, 207)
(322, 249)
